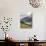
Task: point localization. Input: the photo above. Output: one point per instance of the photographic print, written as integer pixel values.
(26, 21)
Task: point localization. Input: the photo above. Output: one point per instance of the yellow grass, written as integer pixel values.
(22, 25)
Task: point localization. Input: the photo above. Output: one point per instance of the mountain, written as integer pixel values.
(27, 20)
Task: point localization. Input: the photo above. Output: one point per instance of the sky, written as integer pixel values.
(25, 15)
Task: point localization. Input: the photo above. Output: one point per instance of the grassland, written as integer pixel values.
(24, 25)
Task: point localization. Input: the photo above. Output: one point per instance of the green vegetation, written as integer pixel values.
(24, 25)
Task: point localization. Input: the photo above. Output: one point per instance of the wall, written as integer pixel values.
(14, 8)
